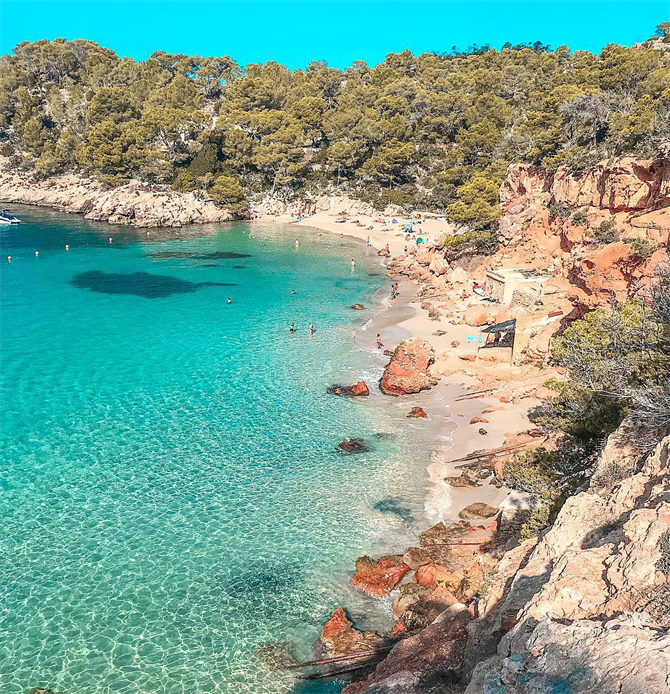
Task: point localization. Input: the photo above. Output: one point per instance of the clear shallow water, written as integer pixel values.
(170, 495)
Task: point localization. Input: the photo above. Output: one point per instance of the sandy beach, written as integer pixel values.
(404, 317)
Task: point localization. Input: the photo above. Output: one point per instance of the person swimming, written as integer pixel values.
(230, 301)
(292, 291)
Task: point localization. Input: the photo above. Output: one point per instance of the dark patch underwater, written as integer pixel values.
(141, 284)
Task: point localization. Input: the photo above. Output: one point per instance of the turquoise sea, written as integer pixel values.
(171, 500)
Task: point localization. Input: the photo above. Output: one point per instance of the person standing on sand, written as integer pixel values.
(367, 243)
(378, 341)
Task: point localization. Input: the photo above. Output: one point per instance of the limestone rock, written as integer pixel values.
(135, 203)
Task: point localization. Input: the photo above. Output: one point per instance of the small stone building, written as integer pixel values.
(502, 283)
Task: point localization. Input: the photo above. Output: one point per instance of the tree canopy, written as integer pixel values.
(434, 131)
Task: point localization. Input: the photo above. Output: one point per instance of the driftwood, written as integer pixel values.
(495, 452)
(337, 673)
(340, 658)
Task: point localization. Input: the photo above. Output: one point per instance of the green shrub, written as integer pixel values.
(643, 248)
(579, 218)
(560, 210)
(663, 564)
(470, 243)
(606, 232)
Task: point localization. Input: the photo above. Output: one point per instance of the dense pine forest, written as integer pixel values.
(435, 131)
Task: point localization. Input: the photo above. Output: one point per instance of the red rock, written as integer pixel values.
(467, 357)
(408, 370)
(476, 316)
(417, 412)
(479, 420)
(379, 578)
(361, 388)
(437, 576)
(339, 637)
(398, 630)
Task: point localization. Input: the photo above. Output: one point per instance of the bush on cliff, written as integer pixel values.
(470, 243)
(618, 363)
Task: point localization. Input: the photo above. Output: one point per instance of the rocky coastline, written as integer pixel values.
(134, 204)
(476, 608)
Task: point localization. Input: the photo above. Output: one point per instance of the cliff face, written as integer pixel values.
(134, 204)
(583, 609)
(589, 604)
(551, 220)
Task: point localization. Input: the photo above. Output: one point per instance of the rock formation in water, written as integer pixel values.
(358, 389)
(137, 204)
(409, 369)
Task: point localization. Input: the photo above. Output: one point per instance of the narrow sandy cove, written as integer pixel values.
(403, 317)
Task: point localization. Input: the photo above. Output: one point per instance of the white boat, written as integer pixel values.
(6, 218)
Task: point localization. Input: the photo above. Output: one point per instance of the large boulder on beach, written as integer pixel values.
(339, 637)
(378, 578)
(477, 511)
(409, 369)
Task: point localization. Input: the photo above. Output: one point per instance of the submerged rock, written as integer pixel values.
(358, 307)
(417, 412)
(360, 388)
(349, 446)
(408, 371)
(276, 655)
(378, 578)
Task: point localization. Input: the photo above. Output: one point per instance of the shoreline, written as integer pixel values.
(404, 318)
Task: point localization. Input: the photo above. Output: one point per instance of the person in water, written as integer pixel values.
(230, 301)
(292, 328)
(311, 328)
(297, 243)
(378, 341)
(292, 291)
(353, 264)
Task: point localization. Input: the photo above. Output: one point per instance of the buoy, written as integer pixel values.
(67, 247)
(9, 258)
(110, 239)
(37, 253)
